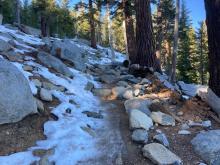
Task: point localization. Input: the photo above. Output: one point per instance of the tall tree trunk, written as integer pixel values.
(213, 26)
(129, 27)
(146, 56)
(201, 60)
(175, 45)
(92, 25)
(99, 29)
(125, 38)
(110, 37)
(43, 23)
(159, 35)
(18, 12)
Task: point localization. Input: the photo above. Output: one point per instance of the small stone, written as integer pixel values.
(160, 155)
(45, 95)
(89, 86)
(162, 118)
(28, 68)
(88, 130)
(136, 92)
(185, 126)
(140, 136)
(37, 83)
(161, 138)
(138, 119)
(134, 80)
(140, 104)
(118, 91)
(68, 110)
(48, 85)
(205, 124)
(40, 106)
(180, 113)
(93, 114)
(102, 92)
(202, 164)
(145, 81)
(122, 83)
(184, 132)
(128, 94)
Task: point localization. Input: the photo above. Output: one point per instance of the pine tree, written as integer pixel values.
(164, 20)
(7, 10)
(213, 24)
(202, 39)
(18, 12)
(183, 58)
(129, 27)
(193, 56)
(92, 24)
(146, 56)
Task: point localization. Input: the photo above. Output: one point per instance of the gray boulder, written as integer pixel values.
(207, 145)
(160, 155)
(45, 95)
(162, 118)
(118, 91)
(4, 45)
(30, 30)
(128, 94)
(211, 98)
(140, 136)
(140, 104)
(108, 79)
(55, 63)
(89, 86)
(13, 56)
(122, 83)
(138, 119)
(68, 50)
(102, 92)
(16, 99)
(161, 138)
(40, 106)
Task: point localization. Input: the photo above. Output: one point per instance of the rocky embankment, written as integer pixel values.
(68, 79)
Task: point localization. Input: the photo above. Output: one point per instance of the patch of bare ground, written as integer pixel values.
(169, 102)
(16, 137)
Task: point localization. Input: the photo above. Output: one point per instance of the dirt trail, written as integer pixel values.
(115, 143)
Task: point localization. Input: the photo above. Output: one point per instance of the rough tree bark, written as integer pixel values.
(92, 25)
(43, 23)
(129, 28)
(99, 27)
(175, 43)
(18, 12)
(146, 56)
(201, 69)
(110, 37)
(213, 26)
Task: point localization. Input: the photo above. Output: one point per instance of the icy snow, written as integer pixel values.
(19, 35)
(21, 158)
(67, 136)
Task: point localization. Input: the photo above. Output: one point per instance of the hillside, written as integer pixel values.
(79, 107)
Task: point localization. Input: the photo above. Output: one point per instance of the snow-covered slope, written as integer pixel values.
(71, 136)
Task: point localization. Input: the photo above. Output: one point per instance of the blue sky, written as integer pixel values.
(196, 8)
(197, 11)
